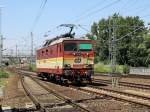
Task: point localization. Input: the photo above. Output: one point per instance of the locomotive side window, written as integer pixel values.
(85, 47)
(46, 51)
(42, 53)
(70, 47)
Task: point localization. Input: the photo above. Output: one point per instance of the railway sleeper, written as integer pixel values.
(52, 105)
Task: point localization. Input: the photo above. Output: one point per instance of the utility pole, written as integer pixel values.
(16, 53)
(11, 52)
(109, 36)
(19, 58)
(113, 46)
(1, 39)
(113, 52)
(31, 61)
(1, 50)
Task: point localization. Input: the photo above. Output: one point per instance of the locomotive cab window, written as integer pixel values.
(70, 47)
(85, 47)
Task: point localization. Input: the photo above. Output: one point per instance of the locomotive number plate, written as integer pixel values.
(77, 60)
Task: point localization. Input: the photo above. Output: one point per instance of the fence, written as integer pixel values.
(140, 70)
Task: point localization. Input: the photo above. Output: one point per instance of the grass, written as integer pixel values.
(32, 68)
(4, 74)
(107, 68)
(2, 82)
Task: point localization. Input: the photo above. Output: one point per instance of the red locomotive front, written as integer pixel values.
(78, 59)
(65, 58)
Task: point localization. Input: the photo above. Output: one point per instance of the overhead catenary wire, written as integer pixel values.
(96, 11)
(127, 6)
(83, 13)
(93, 12)
(42, 6)
(140, 28)
(139, 10)
(147, 15)
(89, 9)
(81, 26)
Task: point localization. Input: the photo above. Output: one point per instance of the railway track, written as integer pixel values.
(136, 99)
(133, 85)
(125, 76)
(31, 96)
(119, 95)
(49, 105)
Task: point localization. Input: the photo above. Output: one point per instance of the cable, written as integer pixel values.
(89, 9)
(43, 4)
(129, 33)
(138, 11)
(81, 26)
(46, 34)
(124, 6)
(127, 5)
(145, 16)
(96, 11)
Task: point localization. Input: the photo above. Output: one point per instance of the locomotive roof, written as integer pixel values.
(62, 39)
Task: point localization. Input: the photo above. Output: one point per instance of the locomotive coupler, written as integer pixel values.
(68, 72)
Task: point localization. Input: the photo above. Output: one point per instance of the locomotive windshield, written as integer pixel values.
(75, 47)
(70, 47)
(85, 47)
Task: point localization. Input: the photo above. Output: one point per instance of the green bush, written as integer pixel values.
(107, 68)
(32, 68)
(96, 59)
(102, 68)
(3, 74)
(106, 62)
(126, 69)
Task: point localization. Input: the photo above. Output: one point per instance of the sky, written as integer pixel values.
(18, 17)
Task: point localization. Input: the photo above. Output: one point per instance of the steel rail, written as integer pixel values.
(58, 95)
(117, 96)
(110, 91)
(32, 97)
(144, 86)
(122, 76)
(134, 85)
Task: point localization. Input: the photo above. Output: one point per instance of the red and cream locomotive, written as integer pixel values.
(66, 58)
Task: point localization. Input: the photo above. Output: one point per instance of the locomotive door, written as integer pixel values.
(57, 58)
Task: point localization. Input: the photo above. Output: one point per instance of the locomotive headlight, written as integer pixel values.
(89, 66)
(74, 54)
(86, 65)
(67, 66)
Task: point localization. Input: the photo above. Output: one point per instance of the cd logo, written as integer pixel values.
(77, 60)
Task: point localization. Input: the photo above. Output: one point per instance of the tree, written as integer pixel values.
(129, 49)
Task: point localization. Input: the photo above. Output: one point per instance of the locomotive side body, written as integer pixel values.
(66, 59)
(50, 60)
